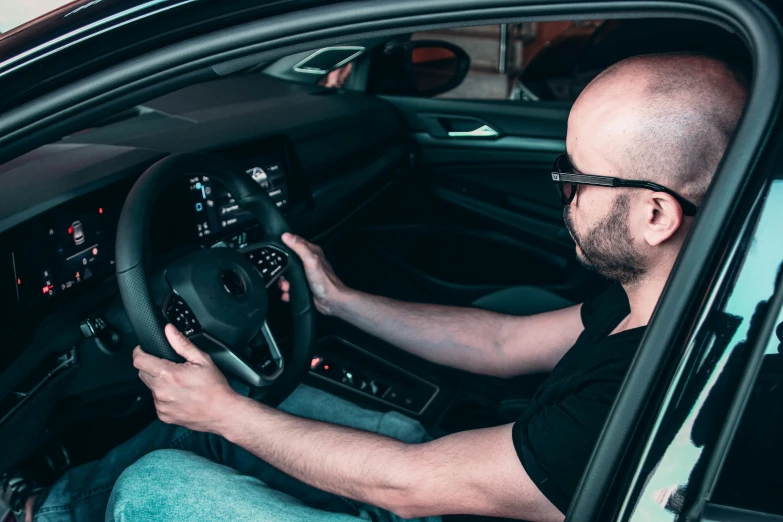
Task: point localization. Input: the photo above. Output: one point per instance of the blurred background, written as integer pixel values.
(17, 12)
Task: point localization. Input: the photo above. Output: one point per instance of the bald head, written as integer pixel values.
(663, 118)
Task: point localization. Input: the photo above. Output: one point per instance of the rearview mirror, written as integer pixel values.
(420, 68)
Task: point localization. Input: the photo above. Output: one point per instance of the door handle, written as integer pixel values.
(485, 131)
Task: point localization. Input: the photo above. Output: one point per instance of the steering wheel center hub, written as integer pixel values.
(233, 282)
(227, 295)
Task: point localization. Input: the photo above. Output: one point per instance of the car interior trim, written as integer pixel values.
(23, 392)
(505, 143)
(384, 362)
(720, 513)
(74, 38)
(301, 68)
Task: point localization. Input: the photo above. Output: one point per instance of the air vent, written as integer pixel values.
(324, 60)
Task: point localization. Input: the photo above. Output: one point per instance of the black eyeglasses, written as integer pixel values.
(567, 180)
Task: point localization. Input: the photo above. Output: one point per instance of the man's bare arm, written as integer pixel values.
(474, 472)
(470, 339)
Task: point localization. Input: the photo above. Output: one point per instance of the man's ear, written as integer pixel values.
(663, 217)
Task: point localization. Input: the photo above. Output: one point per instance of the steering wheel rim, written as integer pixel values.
(132, 253)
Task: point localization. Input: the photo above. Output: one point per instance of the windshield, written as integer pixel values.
(17, 12)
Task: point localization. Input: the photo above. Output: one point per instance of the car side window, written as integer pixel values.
(554, 61)
(531, 61)
(524, 62)
(750, 477)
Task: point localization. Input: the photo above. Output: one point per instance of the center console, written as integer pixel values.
(347, 366)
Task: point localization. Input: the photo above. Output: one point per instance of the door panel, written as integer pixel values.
(517, 196)
(475, 214)
(510, 118)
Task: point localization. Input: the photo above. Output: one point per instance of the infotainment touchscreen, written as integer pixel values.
(63, 251)
(216, 210)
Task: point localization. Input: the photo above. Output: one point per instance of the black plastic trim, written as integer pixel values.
(720, 513)
(513, 143)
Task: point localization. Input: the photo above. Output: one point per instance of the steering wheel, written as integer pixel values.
(217, 297)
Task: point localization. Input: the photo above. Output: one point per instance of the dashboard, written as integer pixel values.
(321, 155)
(74, 244)
(318, 154)
(52, 259)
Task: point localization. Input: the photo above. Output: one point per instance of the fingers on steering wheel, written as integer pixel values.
(302, 246)
(285, 288)
(183, 346)
(316, 249)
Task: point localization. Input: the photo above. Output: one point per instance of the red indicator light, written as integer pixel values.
(47, 289)
(95, 251)
(326, 366)
(18, 281)
(100, 210)
(70, 230)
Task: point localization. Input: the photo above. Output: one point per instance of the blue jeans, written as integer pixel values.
(168, 472)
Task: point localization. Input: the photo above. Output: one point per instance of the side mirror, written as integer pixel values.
(420, 68)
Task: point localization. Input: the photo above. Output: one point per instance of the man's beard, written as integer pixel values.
(608, 248)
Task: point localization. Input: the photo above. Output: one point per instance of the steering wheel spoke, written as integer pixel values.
(270, 261)
(258, 364)
(230, 361)
(272, 366)
(178, 313)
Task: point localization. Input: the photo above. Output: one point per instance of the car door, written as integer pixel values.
(477, 212)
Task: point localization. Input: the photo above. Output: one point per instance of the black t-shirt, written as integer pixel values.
(554, 437)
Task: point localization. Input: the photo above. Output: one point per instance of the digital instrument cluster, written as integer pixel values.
(214, 208)
(47, 258)
(69, 248)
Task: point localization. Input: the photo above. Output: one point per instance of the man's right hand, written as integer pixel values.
(327, 288)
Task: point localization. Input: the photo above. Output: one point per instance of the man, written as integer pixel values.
(664, 119)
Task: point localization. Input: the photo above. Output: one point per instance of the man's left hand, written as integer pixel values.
(193, 394)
